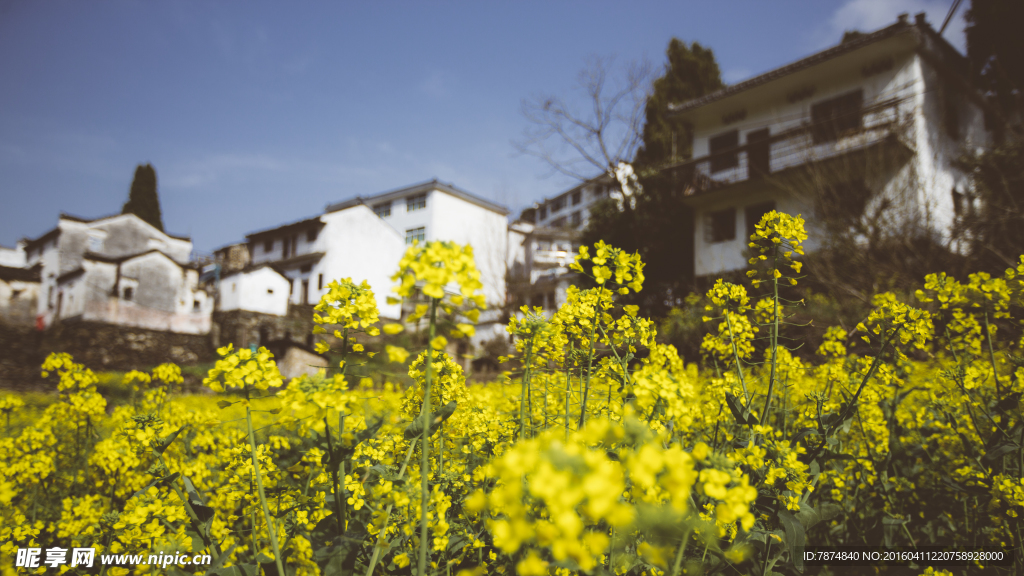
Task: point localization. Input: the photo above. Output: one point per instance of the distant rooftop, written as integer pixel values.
(415, 189)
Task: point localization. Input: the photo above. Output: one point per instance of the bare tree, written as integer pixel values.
(601, 132)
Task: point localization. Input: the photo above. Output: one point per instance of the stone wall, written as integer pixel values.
(111, 347)
(244, 328)
(21, 354)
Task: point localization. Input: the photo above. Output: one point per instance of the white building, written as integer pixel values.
(294, 263)
(571, 209)
(117, 270)
(13, 257)
(871, 126)
(364, 238)
(539, 260)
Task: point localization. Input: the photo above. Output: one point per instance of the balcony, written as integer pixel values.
(799, 145)
(548, 258)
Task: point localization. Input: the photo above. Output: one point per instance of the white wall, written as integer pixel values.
(486, 231)
(360, 246)
(13, 257)
(260, 290)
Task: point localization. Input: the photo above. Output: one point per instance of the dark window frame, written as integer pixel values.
(833, 118)
(718, 148)
(720, 226)
(417, 202)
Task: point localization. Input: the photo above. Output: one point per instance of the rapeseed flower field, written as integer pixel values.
(600, 452)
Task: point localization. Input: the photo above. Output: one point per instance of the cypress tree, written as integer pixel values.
(142, 199)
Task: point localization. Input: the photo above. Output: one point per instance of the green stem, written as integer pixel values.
(679, 555)
(425, 456)
(774, 340)
(568, 388)
(259, 487)
(387, 513)
(590, 366)
(992, 356)
(526, 389)
(338, 495)
(736, 356)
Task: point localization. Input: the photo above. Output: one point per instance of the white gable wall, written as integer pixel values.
(360, 246)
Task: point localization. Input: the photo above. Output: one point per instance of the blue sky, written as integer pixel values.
(256, 114)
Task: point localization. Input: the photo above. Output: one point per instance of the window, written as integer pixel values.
(305, 291)
(128, 293)
(831, 119)
(577, 197)
(284, 248)
(720, 145)
(319, 281)
(311, 235)
(269, 290)
(195, 305)
(416, 202)
(577, 219)
(558, 203)
(383, 209)
(415, 235)
(268, 246)
(754, 213)
(543, 213)
(720, 226)
(558, 223)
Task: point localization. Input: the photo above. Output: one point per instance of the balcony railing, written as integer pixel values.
(552, 257)
(801, 144)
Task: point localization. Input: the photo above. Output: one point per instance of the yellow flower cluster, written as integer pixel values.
(777, 237)
(243, 369)
(352, 307)
(436, 265)
(628, 268)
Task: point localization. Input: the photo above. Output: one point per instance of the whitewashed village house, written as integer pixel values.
(871, 126)
(544, 240)
(117, 270)
(364, 238)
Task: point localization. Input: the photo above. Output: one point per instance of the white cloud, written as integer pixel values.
(870, 15)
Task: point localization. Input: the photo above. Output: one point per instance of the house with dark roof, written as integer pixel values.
(117, 270)
(866, 131)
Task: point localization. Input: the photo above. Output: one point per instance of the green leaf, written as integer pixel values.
(223, 404)
(992, 456)
(161, 445)
(889, 528)
(795, 537)
(416, 428)
(740, 412)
